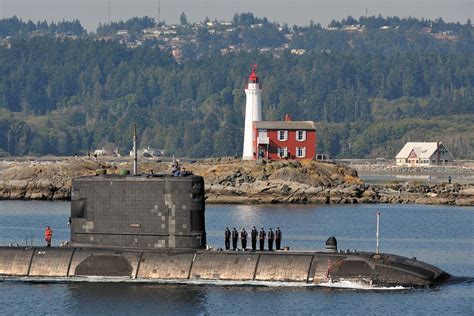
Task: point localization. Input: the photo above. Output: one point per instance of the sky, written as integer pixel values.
(299, 12)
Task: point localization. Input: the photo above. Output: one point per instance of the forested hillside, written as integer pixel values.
(369, 91)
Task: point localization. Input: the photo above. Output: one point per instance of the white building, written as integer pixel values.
(100, 152)
(415, 154)
(253, 112)
(147, 152)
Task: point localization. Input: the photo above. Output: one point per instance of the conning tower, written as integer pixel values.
(141, 212)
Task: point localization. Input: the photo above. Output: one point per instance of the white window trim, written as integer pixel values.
(285, 152)
(285, 134)
(304, 135)
(303, 152)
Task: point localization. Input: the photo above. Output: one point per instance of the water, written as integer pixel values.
(442, 236)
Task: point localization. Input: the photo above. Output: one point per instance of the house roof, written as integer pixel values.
(299, 125)
(423, 150)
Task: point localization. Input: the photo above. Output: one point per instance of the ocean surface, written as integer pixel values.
(440, 235)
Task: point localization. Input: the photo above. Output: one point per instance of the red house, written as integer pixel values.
(284, 139)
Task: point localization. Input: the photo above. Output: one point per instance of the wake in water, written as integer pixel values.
(349, 284)
(343, 284)
(459, 280)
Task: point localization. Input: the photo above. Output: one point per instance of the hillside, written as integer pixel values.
(369, 84)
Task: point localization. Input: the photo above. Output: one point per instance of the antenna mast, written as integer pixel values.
(377, 235)
(159, 8)
(135, 155)
(108, 11)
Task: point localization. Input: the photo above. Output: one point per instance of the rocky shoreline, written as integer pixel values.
(230, 180)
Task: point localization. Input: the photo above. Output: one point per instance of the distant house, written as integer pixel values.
(100, 152)
(415, 154)
(148, 152)
(298, 51)
(284, 139)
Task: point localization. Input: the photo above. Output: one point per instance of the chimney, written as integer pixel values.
(287, 118)
(437, 150)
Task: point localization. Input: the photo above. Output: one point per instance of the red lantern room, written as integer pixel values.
(253, 78)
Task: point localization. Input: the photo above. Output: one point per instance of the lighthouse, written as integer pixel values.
(253, 112)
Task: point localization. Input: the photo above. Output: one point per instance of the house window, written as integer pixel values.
(300, 152)
(282, 135)
(282, 152)
(300, 136)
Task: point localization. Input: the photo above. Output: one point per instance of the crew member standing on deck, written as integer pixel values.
(271, 238)
(253, 235)
(261, 238)
(235, 238)
(243, 239)
(227, 238)
(48, 235)
(278, 238)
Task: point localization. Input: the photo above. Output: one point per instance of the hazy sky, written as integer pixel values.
(300, 12)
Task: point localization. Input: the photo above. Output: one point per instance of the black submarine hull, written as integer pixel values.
(70, 263)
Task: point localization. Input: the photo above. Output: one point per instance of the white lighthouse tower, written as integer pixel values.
(253, 112)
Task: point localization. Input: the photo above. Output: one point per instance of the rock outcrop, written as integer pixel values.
(230, 180)
(42, 181)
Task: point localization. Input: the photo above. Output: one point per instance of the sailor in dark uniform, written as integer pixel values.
(227, 238)
(261, 238)
(235, 238)
(278, 238)
(253, 235)
(243, 239)
(271, 238)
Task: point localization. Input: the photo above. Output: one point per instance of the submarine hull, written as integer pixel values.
(174, 264)
(152, 227)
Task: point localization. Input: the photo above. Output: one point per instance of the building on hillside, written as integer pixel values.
(415, 154)
(284, 139)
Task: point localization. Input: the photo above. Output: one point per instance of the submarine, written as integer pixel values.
(152, 228)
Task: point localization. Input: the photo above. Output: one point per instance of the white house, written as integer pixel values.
(100, 152)
(148, 152)
(415, 154)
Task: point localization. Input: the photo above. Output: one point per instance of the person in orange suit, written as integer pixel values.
(48, 235)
